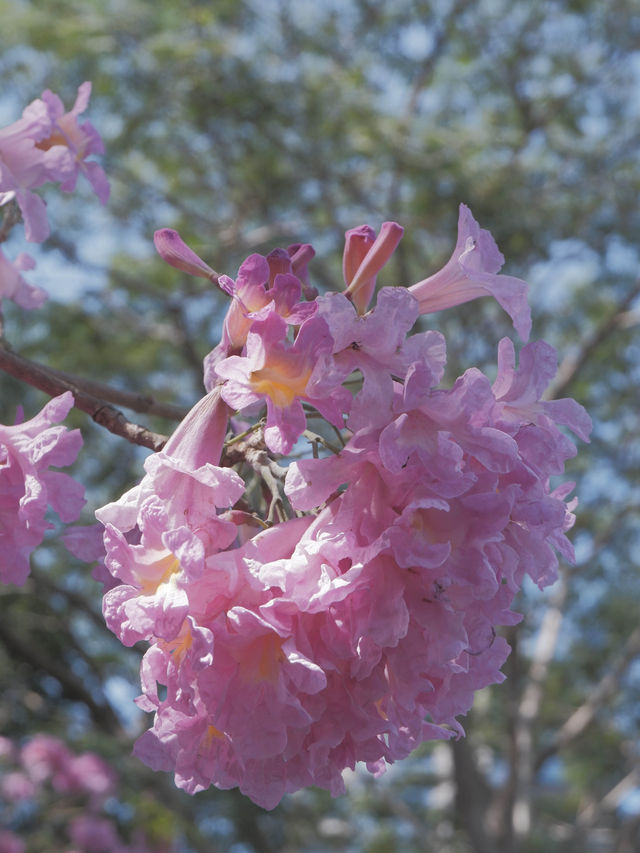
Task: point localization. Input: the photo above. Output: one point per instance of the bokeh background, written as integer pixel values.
(249, 124)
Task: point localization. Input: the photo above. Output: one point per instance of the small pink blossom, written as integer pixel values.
(14, 286)
(17, 786)
(95, 834)
(275, 283)
(45, 757)
(283, 375)
(376, 344)
(28, 487)
(81, 140)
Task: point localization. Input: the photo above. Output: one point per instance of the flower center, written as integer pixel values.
(283, 380)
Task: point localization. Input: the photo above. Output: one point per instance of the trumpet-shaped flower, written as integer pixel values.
(472, 272)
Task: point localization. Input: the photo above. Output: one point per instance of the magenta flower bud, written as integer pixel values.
(357, 243)
(172, 249)
(379, 253)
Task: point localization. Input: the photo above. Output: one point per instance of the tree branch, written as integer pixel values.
(10, 218)
(472, 796)
(142, 403)
(583, 716)
(19, 646)
(100, 411)
(523, 769)
(611, 800)
(571, 367)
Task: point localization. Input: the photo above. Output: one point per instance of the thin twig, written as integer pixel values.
(242, 435)
(583, 716)
(314, 437)
(573, 365)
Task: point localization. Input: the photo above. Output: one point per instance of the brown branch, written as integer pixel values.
(10, 218)
(100, 411)
(251, 450)
(472, 796)
(142, 403)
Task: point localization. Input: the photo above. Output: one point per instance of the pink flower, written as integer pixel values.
(376, 344)
(472, 272)
(47, 144)
(519, 392)
(89, 774)
(24, 166)
(14, 286)
(263, 285)
(27, 486)
(45, 757)
(183, 475)
(17, 786)
(342, 629)
(157, 535)
(81, 140)
(283, 375)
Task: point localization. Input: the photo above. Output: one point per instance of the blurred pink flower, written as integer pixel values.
(17, 786)
(95, 834)
(48, 144)
(14, 286)
(28, 487)
(10, 843)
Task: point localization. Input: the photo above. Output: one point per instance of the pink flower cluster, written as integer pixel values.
(47, 145)
(362, 624)
(28, 486)
(45, 772)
